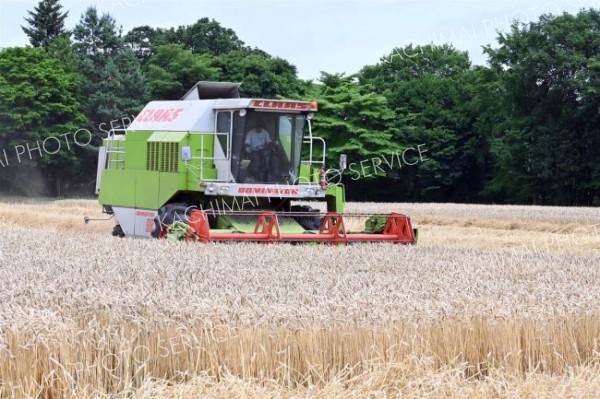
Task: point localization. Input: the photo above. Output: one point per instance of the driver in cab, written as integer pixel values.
(257, 145)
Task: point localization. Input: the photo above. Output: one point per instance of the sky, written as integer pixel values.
(336, 36)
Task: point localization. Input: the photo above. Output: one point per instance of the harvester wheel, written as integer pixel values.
(309, 222)
(118, 231)
(169, 214)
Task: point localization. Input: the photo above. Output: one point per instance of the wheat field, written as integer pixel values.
(494, 301)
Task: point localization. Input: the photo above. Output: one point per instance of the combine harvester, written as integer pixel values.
(217, 167)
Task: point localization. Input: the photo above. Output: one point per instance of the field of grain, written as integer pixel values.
(494, 301)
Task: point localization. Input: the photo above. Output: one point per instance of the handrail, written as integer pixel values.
(111, 148)
(202, 157)
(310, 140)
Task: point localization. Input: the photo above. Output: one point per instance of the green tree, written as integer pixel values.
(45, 22)
(62, 49)
(261, 75)
(96, 35)
(114, 89)
(173, 71)
(39, 106)
(204, 36)
(549, 149)
(114, 85)
(353, 119)
(143, 41)
(430, 88)
(414, 62)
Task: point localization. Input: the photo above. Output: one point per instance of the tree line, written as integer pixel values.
(525, 128)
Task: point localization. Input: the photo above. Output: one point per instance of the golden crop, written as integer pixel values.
(489, 304)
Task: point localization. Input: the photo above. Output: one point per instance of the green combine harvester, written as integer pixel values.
(216, 167)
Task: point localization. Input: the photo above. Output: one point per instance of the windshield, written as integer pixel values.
(267, 147)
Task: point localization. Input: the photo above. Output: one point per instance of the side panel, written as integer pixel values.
(135, 222)
(140, 182)
(169, 184)
(101, 167)
(147, 187)
(139, 189)
(336, 198)
(118, 188)
(144, 223)
(309, 174)
(136, 149)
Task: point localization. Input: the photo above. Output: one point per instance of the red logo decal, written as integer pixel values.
(159, 115)
(144, 214)
(263, 190)
(149, 225)
(283, 105)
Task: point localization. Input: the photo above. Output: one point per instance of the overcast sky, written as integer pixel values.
(319, 35)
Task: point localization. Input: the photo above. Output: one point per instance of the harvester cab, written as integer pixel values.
(216, 167)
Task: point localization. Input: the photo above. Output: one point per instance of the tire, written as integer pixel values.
(170, 213)
(118, 231)
(308, 222)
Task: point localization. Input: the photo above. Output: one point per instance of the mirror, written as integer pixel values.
(186, 153)
(343, 162)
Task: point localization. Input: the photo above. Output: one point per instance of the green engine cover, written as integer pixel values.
(145, 169)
